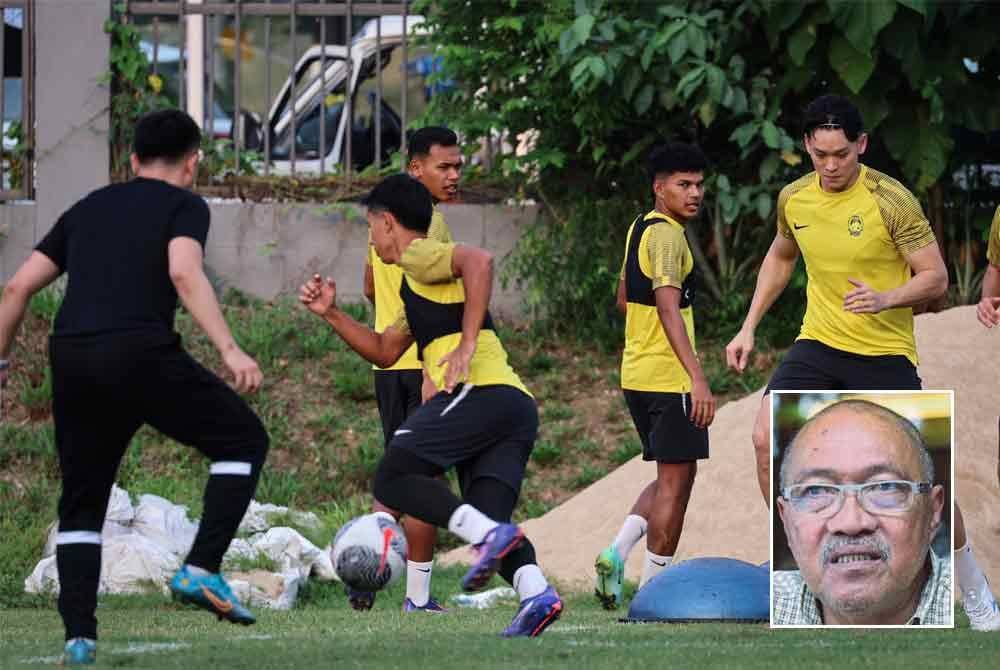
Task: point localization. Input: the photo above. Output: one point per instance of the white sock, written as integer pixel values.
(198, 572)
(529, 581)
(418, 582)
(654, 565)
(470, 524)
(631, 532)
(970, 576)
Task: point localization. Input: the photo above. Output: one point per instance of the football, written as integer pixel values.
(369, 552)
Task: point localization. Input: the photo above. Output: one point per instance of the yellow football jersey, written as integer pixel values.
(864, 234)
(993, 246)
(656, 254)
(433, 303)
(388, 280)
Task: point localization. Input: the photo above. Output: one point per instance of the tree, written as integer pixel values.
(597, 82)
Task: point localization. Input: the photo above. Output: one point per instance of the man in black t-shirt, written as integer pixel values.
(130, 251)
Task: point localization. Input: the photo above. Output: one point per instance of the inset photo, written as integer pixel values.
(862, 514)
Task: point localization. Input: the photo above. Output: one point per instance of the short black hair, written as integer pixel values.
(166, 134)
(672, 157)
(423, 139)
(405, 198)
(833, 112)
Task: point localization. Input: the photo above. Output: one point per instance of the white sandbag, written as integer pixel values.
(256, 518)
(130, 563)
(165, 523)
(120, 508)
(239, 549)
(258, 588)
(322, 567)
(133, 563)
(44, 578)
(110, 530)
(260, 517)
(288, 549)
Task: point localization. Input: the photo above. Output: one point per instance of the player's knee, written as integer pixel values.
(384, 487)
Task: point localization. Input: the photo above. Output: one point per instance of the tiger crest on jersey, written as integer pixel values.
(855, 226)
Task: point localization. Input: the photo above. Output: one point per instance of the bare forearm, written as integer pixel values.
(923, 286)
(991, 282)
(673, 326)
(12, 309)
(775, 272)
(478, 283)
(362, 339)
(198, 297)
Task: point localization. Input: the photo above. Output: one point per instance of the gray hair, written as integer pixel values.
(902, 424)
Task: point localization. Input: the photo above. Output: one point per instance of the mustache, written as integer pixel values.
(873, 543)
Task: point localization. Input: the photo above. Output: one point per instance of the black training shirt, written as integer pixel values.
(113, 246)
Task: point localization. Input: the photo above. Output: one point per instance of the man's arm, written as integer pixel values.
(929, 281)
(34, 274)
(620, 299)
(668, 301)
(383, 349)
(773, 277)
(369, 283)
(475, 267)
(184, 255)
(987, 311)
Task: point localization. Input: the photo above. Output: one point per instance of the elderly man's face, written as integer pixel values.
(864, 568)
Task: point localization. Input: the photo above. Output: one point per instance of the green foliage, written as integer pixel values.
(595, 83)
(14, 157)
(219, 159)
(134, 91)
(568, 270)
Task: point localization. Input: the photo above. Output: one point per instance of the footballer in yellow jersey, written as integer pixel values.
(435, 158)
(870, 256)
(664, 385)
(987, 311)
(482, 422)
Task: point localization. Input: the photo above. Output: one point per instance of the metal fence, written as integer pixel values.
(17, 94)
(315, 107)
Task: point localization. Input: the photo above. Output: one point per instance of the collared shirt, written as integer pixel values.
(795, 605)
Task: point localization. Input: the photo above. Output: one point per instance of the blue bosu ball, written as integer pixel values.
(704, 589)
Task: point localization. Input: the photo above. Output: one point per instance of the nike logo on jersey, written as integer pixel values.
(798, 227)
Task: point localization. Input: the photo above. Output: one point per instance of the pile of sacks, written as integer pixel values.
(143, 545)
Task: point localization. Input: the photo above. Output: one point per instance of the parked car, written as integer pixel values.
(319, 95)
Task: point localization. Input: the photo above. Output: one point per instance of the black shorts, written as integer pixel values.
(811, 365)
(397, 393)
(482, 431)
(664, 425)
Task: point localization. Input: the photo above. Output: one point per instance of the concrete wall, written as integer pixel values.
(71, 122)
(263, 249)
(269, 249)
(71, 108)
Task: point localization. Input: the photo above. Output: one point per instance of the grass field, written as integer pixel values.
(322, 632)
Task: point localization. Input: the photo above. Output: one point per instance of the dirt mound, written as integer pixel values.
(727, 516)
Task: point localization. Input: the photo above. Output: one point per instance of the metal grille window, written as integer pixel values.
(17, 99)
(311, 86)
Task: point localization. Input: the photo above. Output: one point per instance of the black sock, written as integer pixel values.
(227, 497)
(79, 568)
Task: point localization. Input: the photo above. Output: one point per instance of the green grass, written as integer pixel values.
(152, 632)
(317, 406)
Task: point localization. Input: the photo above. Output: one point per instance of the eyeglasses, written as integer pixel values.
(882, 497)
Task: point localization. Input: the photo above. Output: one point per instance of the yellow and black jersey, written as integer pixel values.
(388, 279)
(993, 247)
(433, 304)
(865, 234)
(656, 255)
